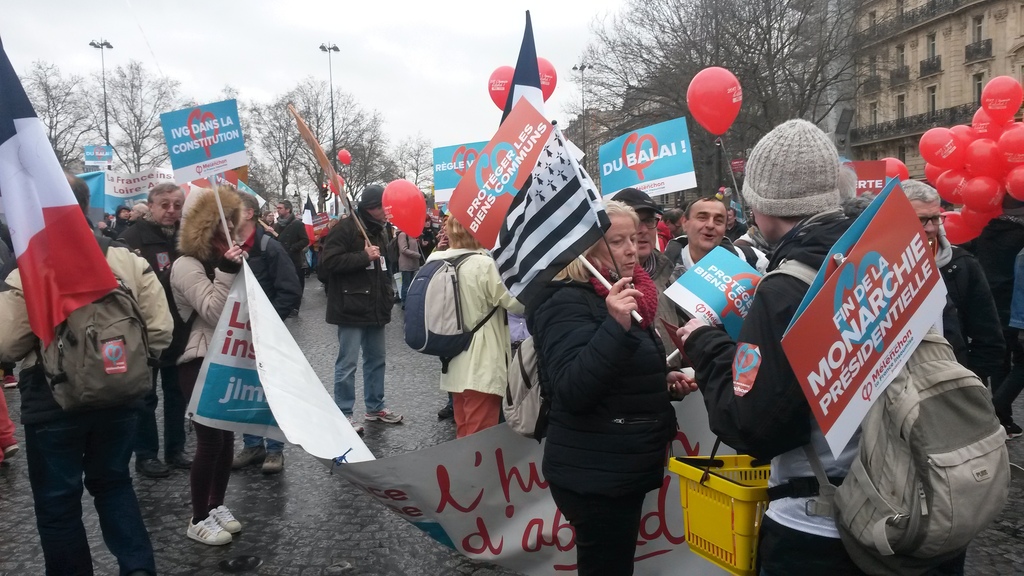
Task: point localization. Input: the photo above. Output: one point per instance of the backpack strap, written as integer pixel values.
(824, 504)
(264, 242)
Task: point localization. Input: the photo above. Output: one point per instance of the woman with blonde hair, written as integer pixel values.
(609, 388)
(477, 377)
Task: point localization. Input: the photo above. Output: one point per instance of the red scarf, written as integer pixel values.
(647, 306)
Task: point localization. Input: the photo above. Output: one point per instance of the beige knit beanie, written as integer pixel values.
(793, 171)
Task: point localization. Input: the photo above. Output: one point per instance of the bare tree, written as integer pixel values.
(414, 157)
(136, 100)
(60, 104)
(274, 138)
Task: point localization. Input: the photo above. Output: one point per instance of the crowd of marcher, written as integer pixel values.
(609, 379)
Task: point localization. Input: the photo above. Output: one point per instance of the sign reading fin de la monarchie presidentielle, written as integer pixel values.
(655, 159)
(204, 140)
(858, 325)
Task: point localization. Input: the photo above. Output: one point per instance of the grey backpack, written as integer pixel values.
(525, 407)
(932, 469)
(99, 356)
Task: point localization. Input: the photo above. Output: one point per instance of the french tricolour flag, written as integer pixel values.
(307, 218)
(62, 267)
(526, 80)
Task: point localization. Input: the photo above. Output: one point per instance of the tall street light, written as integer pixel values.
(330, 65)
(103, 67)
(581, 68)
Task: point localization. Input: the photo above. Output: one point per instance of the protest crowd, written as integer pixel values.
(614, 350)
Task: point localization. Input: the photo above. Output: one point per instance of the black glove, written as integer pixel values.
(229, 266)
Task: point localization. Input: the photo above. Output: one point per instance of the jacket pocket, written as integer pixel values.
(356, 301)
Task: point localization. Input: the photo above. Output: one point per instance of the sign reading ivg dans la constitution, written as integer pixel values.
(204, 140)
(655, 159)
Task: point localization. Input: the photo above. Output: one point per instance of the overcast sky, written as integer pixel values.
(423, 63)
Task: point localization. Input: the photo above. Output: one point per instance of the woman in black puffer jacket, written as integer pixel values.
(610, 390)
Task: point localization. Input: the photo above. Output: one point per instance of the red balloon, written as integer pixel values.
(984, 159)
(345, 157)
(932, 173)
(957, 231)
(985, 127)
(896, 169)
(1001, 98)
(1015, 183)
(405, 206)
(498, 86)
(977, 220)
(341, 181)
(943, 148)
(965, 132)
(983, 194)
(1011, 144)
(714, 98)
(950, 185)
(548, 78)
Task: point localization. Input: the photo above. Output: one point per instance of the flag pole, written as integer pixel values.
(604, 282)
(220, 208)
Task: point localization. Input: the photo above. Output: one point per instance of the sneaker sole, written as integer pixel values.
(11, 451)
(379, 419)
(207, 542)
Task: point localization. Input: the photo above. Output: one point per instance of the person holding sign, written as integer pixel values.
(200, 280)
(609, 388)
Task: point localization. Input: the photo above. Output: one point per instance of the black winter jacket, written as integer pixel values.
(969, 321)
(773, 417)
(275, 272)
(292, 235)
(359, 292)
(611, 418)
(996, 249)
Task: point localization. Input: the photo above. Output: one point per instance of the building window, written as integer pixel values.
(901, 106)
(901, 154)
(873, 66)
(930, 45)
(931, 99)
(976, 28)
(901, 56)
(900, 6)
(874, 155)
(978, 82)
(873, 112)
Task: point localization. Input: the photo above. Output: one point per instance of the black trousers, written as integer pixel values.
(606, 530)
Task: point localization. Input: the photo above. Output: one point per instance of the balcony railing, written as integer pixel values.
(908, 19)
(873, 84)
(913, 125)
(931, 66)
(978, 51)
(900, 75)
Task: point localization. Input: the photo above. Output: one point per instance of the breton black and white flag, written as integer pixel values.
(555, 217)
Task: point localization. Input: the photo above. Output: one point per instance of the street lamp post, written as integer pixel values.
(103, 44)
(581, 68)
(330, 65)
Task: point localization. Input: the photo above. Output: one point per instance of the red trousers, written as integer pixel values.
(474, 411)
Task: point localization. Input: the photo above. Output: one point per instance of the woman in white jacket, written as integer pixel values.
(477, 377)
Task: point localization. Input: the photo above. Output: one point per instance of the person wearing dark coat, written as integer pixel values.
(122, 222)
(291, 233)
(610, 419)
(360, 297)
(156, 240)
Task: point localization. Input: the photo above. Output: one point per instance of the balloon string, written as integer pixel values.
(732, 174)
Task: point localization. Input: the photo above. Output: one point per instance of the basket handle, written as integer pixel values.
(707, 469)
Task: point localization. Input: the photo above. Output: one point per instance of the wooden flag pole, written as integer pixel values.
(325, 165)
(604, 282)
(220, 208)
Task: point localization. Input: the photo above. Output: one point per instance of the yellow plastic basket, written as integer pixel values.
(723, 514)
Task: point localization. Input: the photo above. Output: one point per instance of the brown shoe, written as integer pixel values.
(274, 463)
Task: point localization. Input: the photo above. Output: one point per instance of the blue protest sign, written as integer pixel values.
(718, 289)
(450, 164)
(111, 190)
(204, 140)
(655, 159)
(99, 155)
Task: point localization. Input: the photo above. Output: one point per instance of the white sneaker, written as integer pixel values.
(208, 532)
(226, 519)
(355, 425)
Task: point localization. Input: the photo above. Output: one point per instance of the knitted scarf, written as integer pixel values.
(647, 306)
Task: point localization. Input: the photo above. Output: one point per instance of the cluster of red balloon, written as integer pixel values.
(978, 165)
(500, 82)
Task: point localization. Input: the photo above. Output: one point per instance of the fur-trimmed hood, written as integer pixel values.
(200, 221)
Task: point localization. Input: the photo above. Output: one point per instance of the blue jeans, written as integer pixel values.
(371, 340)
(97, 444)
(406, 281)
(250, 441)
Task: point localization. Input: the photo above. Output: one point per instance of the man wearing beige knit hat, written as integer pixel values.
(792, 187)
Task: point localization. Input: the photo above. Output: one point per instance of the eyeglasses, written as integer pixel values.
(651, 222)
(936, 220)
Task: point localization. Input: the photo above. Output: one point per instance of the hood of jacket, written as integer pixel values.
(810, 241)
(200, 222)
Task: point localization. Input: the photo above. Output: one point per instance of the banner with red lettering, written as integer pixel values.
(861, 320)
(870, 176)
(485, 192)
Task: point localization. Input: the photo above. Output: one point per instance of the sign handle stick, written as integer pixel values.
(604, 282)
(735, 187)
(220, 208)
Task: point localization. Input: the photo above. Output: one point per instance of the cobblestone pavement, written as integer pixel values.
(306, 522)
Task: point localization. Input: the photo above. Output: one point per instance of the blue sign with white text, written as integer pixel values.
(234, 394)
(98, 155)
(450, 164)
(718, 289)
(204, 140)
(656, 160)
